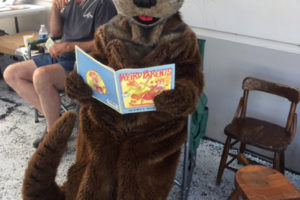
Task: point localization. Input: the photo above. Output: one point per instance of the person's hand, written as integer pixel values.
(59, 4)
(58, 49)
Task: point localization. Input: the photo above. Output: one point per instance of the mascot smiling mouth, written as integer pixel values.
(147, 20)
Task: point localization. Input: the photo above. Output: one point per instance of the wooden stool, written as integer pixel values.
(257, 182)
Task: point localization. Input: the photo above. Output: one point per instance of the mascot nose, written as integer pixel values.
(144, 3)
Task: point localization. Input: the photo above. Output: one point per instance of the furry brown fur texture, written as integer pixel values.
(132, 156)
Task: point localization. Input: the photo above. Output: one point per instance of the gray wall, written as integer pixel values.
(226, 64)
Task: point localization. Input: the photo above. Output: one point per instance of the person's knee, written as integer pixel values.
(41, 80)
(10, 74)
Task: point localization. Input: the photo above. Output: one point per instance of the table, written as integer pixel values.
(9, 43)
(20, 10)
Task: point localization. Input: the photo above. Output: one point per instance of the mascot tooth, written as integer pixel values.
(132, 156)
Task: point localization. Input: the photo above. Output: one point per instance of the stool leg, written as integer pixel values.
(223, 160)
(234, 195)
(242, 159)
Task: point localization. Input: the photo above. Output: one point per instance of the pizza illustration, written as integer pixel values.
(95, 81)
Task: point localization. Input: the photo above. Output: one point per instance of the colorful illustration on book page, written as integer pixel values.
(99, 77)
(95, 81)
(140, 88)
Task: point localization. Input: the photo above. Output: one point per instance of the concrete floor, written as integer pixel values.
(18, 130)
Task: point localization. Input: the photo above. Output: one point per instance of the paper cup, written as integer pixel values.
(27, 39)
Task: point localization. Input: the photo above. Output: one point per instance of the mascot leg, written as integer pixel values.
(39, 180)
(147, 165)
(147, 181)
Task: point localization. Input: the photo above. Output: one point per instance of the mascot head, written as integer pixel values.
(148, 13)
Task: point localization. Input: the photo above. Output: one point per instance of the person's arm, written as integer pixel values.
(55, 21)
(86, 46)
(66, 47)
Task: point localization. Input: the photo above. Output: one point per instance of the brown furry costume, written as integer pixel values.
(132, 156)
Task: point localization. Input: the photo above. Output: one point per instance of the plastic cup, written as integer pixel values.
(27, 39)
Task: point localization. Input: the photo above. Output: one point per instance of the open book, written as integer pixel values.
(125, 90)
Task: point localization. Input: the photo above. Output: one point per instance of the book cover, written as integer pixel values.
(125, 90)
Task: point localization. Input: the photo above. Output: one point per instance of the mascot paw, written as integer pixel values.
(178, 102)
(77, 89)
(63, 127)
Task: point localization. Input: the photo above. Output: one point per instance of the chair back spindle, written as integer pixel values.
(244, 104)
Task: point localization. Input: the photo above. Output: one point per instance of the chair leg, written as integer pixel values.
(77, 109)
(36, 116)
(184, 185)
(63, 108)
(186, 161)
(241, 152)
(223, 160)
(242, 147)
(282, 162)
(278, 162)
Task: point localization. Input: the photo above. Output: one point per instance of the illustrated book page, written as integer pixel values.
(126, 90)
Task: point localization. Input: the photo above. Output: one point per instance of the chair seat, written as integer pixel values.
(258, 133)
(258, 182)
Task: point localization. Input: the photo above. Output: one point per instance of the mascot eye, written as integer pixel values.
(144, 3)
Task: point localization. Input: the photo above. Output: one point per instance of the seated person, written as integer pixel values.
(39, 80)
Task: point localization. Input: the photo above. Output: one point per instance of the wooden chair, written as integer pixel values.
(260, 133)
(257, 182)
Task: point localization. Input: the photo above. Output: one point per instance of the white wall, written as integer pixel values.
(276, 20)
(226, 64)
(27, 23)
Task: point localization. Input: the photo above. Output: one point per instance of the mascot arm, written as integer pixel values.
(77, 89)
(189, 84)
(178, 102)
(99, 46)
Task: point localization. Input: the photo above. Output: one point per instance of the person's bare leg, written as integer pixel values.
(19, 77)
(39, 87)
(48, 81)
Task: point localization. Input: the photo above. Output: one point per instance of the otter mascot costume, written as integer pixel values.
(130, 156)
